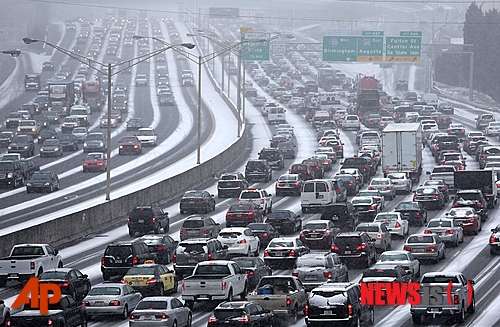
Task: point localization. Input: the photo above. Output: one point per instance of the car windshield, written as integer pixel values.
(311, 262)
(229, 234)
(94, 137)
(439, 223)
(407, 206)
(141, 271)
(96, 291)
(420, 239)
(152, 305)
(96, 156)
(50, 142)
(281, 244)
(393, 257)
(318, 225)
(193, 194)
(129, 139)
(396, 176)
(255, 226)
(468, 197)
(40, 176)
(244, 263)
(53, 275)
(380, 273)
(80, 130)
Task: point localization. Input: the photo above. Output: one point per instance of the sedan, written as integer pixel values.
(403, 258)
(151, 278)
(111, 299)
(384, 186)
(160, 311)
(47, 134)
(494, 241)
(314, 269)
(243, 213)
(197, 201)
(414, 212)
(40, 181)
(288, 184)
(130, 144)
(240, 241)
(493, 128)
(429, 197)
(284, 221)
(425, 247)
(255, 268)
(366, 206)
(71, 281)
(441, 185)
(449, 230)
(95, 161)
(240, 313)
(133, 124)
(468, 217)
(401, 182)
(51, 147)
(163, 245)
(457, 129)
(378, 232)
(265, 232)
(319, 234)
(350, 183)
(284, 251)
(394, 222)
(80, 133)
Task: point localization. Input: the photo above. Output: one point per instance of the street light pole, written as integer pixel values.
(198, 149)
(108, 140)
(238, 94)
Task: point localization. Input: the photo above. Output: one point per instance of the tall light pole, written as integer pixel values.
(109, 73)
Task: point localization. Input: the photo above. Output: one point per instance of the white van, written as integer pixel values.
(276, 115)
(316, 194)
(431, 99)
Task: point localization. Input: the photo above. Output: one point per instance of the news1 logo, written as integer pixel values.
(414, 293)
(38, 296)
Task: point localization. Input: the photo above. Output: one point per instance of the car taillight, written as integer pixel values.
(288, 302)
(151, 281)
(135, 260)
(292, 253)
(261, 201)
(427, 231)
(450, 231)
(370, 188)
(32, 264)
(430, 249)
(398, 225)
(210, 256)
(372, 208)
(224, 286)
(455, 205)
(480, 205)
(160, 248)
(361, 247)
(102, 262)
(379, 236)
(388, 188)
(243, 241)
(212, 319)
(407, 248)
(65, 284)
(456, 299)
(492, 239)
(295, 273)
(327, 274)
(435, 197)
(154, 220)
(163, 316)
(180, 230)
(306, 310)
(349, 309)
(128, 220)
(204, 230)
(134, 316)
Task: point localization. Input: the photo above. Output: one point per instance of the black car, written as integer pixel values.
(288, 184)
(255, 268)
(340, 189)
(22, 144)
(288, 149)
(147, 218)
(495, 240)
(231, 184)
(71, 281)
(12, 174)
(402, 85)
(197, 201)
(43, 181)
(343, 215)
(414, 212)
(285, 221)
(68, 142)
(163, 245)
(273, 143)
(256, 170)
(273, 156)
(350, 183)
(134, 124)
(240, 313)
(355, 247)
(348, 309)
(5, 138)
(30, 167)
(119, 256)
(430, 197)
(264, 231)
(441, 185)
(474, 199)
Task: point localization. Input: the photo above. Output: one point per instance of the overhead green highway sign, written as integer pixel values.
(353, 48)
(403, 48)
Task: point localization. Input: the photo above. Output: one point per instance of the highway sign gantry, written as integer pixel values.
(353, 48)
(403, 48)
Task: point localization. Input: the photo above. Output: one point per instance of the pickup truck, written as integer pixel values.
(30, 127)
(67, 312)
(4, 313)
(214, 280)
(462, 293)
(444, 173)
(283, 295)
(28, 260)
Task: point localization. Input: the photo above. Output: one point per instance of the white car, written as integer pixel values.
(373, 193)
(147, 136)
(286, 127)
(351, 122)
(493, 128)
(403, 258)
(285, 132)
(240, 241)
(394, 222)
(259, 197)
(141, 80)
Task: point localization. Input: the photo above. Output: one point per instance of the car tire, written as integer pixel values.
(472, 308)
(416, 319)
(124, 314)
(460, 317)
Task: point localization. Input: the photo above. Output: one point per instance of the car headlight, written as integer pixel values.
(10, 175)
(101, 144)
(7, 121)
(85, 144)
(41, 149)
(56, 149)
(121, 146)
(9, 147)
(46, 184)
(25, 147)
(18, 129)
(28, 184)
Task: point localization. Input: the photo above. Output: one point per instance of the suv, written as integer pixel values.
(360, 163)
(474, 199)
(121, 255)
(273, 156)
(348, 308)
(258, 170)
(259, 197)
(199, 226)
(355, 247)
(23, 144)
(190, 252)
(343, 215)
(12, 173)
(483, 120)
(231, 184)
(95, 142)
(144, 219)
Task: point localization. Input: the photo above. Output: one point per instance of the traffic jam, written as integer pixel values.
(352, 189)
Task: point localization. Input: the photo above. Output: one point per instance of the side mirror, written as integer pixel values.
(225, 247)
(85, 276)
(217, 224)
(56, 251)
(408, 272)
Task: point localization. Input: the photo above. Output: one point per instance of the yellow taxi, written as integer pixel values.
(151, 279)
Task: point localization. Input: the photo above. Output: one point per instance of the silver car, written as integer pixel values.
(403, 258)
(376, 195)
(401, 182)
(449, 230)
(161, 311)
(379, 234)
(111, 299)
(384, 186)
(314, 269)
(426, 247)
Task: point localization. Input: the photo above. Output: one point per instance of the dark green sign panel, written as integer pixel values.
(255, 50)
(403, 48)
(353, 48)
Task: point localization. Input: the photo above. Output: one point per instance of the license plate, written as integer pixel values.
(141, 221)
(99, 303)
(137, 283)
(418, 250)
(347, 252)
(238, 215)
(13, 275)
(439, 233)
(280, 254)
(118, 261)
(328, 312)
(192, 260)
(148, 317)
(434, 310)
(203, 297)
(311, 277)
(191, 232)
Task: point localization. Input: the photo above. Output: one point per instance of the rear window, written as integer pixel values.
(330, 294)
(279, 214)
(380, 273)
(105, 291)
(311, 262)
(250, 195)
(213, 270)
(280, 244)
(141, 212)
(192, 248)
(192, 223)
(440, 279)
(152, 305)
(439, 223)
(119, 251)
(141, 271)
(335, 210)
(53, 275)
(468, 196)
(254, 165)
(315, 226)
(193, 194)
(420, 239)
(241, 207)
(349, 240)
(224, 314)
(229, 234)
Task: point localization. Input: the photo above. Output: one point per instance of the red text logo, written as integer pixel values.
(413, 293)
(37, 295)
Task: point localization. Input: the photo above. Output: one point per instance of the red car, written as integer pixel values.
(95, 161)
(130, 144)
(243, 213)
(470, 219)
(319, 234)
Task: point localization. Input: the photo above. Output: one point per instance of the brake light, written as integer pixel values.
(372, 208)
(250, 273)
(134, 317)
(210, 256)
(266, 254)
(435, 197)
(245, 319)
(398, 225)
(427, 231)
(182, 286)
(361, 247)
(327, 274)
(349, 309)
(128, 220)
(379, 236)
(224, 285)
(160, 248)
(135, 261)
(243, 241)
(288, 302)
(480, 205)
(32, 264)
(261, 201)
(114, 303)
(492, 239)
(334, 248)
(306, 310)
(292, 253)
(370, 188)
(163, 316)
(65, 284)
(174, 259)
(154, 220)
(266, 234)
(295, 273)
(450, 231)
(456, 299)
(102, 261)
(204, 230)
(430, 249)
(151, 281)
(212, 319)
